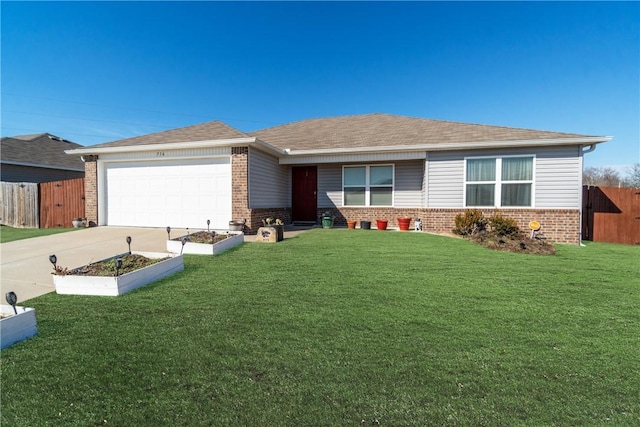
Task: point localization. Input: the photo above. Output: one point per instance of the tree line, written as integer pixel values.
(604, 176)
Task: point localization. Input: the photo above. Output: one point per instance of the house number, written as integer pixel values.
(159, 153)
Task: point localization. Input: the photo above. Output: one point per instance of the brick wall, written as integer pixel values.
(257, 215)
(91, 192)
(558, 225)
(240, 184)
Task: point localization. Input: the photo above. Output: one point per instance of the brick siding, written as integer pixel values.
(91, 192)
(558, 225)
(240, 184)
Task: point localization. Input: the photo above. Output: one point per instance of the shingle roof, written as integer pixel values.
(385, 130)
(40, 149)
(201, 132)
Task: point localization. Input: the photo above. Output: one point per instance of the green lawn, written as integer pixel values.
(9, 234)
(336, 326)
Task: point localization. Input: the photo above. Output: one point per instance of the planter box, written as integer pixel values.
(114, 286)
(234, 239)
(17, 327)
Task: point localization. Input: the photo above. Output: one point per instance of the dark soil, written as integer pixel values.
(130, 262)
(518, 244)
(203, 237)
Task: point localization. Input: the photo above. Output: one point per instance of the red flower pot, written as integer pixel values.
(381, 224)
(404, 223)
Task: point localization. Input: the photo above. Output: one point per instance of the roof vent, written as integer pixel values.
(57, 138)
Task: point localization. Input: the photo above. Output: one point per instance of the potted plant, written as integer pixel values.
(327, 220)
(404, 223)
(237, 225)
(79, 222)
(381, 224)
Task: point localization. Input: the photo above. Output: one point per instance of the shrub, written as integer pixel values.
(472, 221)
(504, 226)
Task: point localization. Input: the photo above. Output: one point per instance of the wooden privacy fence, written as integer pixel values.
(611, 214)
(61, 202)
(19, 201)
(44, 205)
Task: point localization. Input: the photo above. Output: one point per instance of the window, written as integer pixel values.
(368, 185)
(499, 181)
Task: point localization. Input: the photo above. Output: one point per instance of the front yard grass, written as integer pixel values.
(10, 234)
(337, 326)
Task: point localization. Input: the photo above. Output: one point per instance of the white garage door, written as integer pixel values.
(175, 193)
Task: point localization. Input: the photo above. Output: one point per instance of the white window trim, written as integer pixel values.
(367, 192)
(497, 197)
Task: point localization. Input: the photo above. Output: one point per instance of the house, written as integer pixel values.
(360, 167)
(38, 158)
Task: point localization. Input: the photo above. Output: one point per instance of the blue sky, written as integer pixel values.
(94, 72)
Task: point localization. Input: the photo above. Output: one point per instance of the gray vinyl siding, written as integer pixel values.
(558, 179)
(19, 173)
(445, 178)
(557, 176)
(407, 186)
(329, 185)
(269, 182)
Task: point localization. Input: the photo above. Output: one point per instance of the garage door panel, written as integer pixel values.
(175, 193)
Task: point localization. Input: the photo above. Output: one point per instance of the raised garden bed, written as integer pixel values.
(16, 327)
(204, 243)
(90, 279)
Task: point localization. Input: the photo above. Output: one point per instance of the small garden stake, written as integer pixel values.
(118, 265)
(129, 243)
(168, 233)
(208, 222)
(12, 299)
(184, 242)
(53, 260)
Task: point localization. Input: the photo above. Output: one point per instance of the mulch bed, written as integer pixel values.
(130, 262)
(203, 237)
(517, 244)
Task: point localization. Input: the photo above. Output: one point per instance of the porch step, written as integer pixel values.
(303, 223)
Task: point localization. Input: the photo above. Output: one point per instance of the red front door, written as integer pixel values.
(304, 193)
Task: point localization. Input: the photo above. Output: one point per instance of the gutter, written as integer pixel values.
(233, 142)
(591, 141)
(37, 165)
(263, 146)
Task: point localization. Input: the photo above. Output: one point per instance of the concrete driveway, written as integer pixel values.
(26, 270)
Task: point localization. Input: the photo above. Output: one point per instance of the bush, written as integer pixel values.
(470, 222)
(504, 226)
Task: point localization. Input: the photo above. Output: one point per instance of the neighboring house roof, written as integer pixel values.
(215, 130)
(39, 150)
(387, 130)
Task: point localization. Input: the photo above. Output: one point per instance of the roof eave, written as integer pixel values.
(43, 166)
(455, 146)
(232, 142)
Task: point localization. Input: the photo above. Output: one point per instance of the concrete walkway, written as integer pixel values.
(25, 268)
